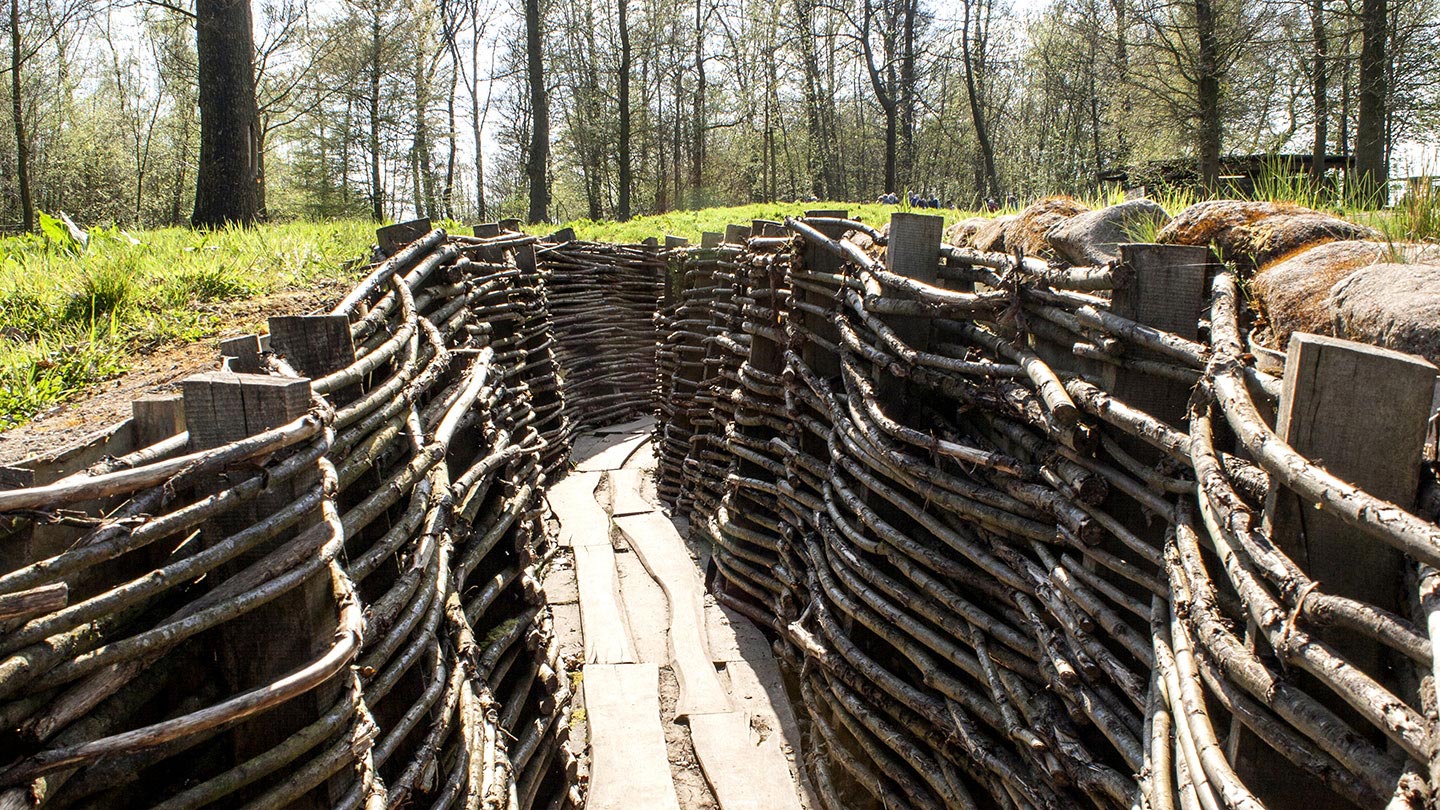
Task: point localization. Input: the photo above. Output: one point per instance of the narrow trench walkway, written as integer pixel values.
(680, 703)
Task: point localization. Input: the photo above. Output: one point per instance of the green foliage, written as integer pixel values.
(69, 319)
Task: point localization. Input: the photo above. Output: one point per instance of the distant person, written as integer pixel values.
(1011, 202)
(934, 201)
(991, 205)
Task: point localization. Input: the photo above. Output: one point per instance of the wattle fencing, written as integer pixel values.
(1024, 535)
(311, 580)
(1029, 536)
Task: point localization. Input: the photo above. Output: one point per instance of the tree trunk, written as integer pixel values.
(420, 146)
(1319, 91)
(537, 164)
(1370, 166)
(977, 115)
(906, 170)
(377, 190)
(447, 194)
(1207, 93)
(229, 186)
(622, 211)
(477, 124)
(17, 109)
(697, 146)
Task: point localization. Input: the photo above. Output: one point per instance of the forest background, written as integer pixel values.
(386, 110)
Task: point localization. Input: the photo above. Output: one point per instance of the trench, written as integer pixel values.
(995, 525)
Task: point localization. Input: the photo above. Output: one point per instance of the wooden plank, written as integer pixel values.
(746, 768)
(644, 424)
(629, 765)
(645, 609)
(660, 548)
(1362, 412)
(270, 641)
(1165, 290)
(611, 454)
(156, 418)
(582, 521)
(607, 634)
(241, 354)
(628, 484)
(392, 238)
(732, 636)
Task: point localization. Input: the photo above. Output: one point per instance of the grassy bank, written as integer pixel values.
(70, 317)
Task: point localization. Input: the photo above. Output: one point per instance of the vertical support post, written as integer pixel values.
(156, 418)
(510, 224)
(736, 234)
(275, 638)
(913, 252)
(316, 345)
(392, 238)
(486, 230)
(1165, 290)
(822, 361)
(711, 239)
(241, 354)
(1363, 413)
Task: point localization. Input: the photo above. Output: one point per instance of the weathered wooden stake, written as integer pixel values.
(1165, 290)
(711, 239)
(822, 360)
(913, 252)
(275, 638)
(1362, 412)
(156, 418)
(392, 238)
(736, 234)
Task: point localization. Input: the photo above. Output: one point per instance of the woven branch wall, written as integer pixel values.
(1015, 544)
(324, 593)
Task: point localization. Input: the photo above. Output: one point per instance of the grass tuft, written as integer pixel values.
(70, 318)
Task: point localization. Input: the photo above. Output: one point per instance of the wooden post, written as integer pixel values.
(392, 238)
(1165, 290)
(275, 638)
(156, 418)
(766, 227)
(510, 224)
(822, 361)
(241, 354)
(650, 241)
(672, 242)
(314, 345)
(487, 230)
(1361, 412)
(562, 235)
(913, 252)
(736, 234)
(711, 239)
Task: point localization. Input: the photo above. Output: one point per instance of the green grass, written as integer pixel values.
(70, 318)
(691, 224)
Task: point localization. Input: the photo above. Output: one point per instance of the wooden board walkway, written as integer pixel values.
(646, 622)
(628, 764)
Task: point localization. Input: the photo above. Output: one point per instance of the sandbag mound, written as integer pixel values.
(1027, 231)
(1294, 293)
(1392, 305)
(1254, 234)
(962, 233)
(992, 237)
(1094, 237)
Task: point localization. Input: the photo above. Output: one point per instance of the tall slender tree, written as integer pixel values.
(537, 163)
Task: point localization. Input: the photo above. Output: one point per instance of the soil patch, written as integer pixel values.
(156, 370)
